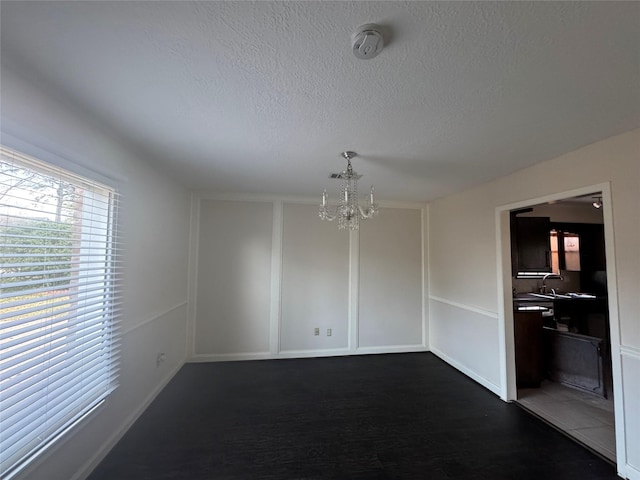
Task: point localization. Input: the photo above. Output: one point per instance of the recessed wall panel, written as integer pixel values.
(631, 392)
(234, 277)
(390, 301)
(467, 338)
(315, 281)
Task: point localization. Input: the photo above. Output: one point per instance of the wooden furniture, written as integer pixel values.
(530, 244)
(528, 348)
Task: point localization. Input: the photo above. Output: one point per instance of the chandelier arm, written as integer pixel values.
(324, 213)
(370, 211)
(348, 212)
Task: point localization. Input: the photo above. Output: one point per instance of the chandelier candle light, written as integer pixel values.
(348, 212)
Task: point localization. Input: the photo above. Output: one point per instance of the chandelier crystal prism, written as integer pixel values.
(348, 212)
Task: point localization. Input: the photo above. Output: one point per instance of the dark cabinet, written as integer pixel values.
(592, 252)
(528, 348)
(530, 245)
(575, 360)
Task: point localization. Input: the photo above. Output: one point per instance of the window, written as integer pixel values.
(59, 303)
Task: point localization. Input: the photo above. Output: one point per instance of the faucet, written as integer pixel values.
(543, 288)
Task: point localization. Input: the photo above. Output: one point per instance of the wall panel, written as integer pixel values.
(234, 277)
(467, 338)
(315, 281)
(631, 373)
(390, 296)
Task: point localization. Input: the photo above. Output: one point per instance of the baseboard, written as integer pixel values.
(632, 473)
(233, 357)
(397, 349)
(283, 354)
(468, 372)
(93, 462)
(228, 357)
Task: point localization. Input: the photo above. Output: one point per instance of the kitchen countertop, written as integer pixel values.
(548, 298)
(528, 297)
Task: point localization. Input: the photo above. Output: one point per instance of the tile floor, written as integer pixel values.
(584, 416)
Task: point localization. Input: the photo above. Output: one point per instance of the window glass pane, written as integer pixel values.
(59, 264)
(572, 252)
(555, 257)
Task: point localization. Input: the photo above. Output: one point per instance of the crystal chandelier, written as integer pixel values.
(348, 212)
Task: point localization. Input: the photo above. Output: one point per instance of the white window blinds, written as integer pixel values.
(59, 303)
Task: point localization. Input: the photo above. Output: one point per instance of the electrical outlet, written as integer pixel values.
(159, 359)
(316, 331)
(328, 332)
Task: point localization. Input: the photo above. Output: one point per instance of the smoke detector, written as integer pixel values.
(367, 42)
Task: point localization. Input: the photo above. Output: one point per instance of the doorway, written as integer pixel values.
(560, 395)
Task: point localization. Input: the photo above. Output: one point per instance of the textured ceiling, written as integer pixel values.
(262, 97)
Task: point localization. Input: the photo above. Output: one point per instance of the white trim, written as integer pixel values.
(424, 271)
(614, 325)
(427, 292)
(353, 314)
(67, 161)
(392, 349)
(85, 470)
(229, 357)
(288, 354)
(471, 308)
(552, 197)
(468, 372)
(276, 277)
(153, 318)
(632, 352)
(58, 442)
(630, 472)
(232, 357)
(505, 301)
(323, 352)
(192, 272)
(505, 326)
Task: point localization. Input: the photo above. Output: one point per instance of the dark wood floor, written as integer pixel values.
(401, 416)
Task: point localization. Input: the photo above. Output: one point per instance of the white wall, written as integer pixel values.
(366, 287)
(465, 295)
(234, 276)
(315, 282)
(155, 218)
(391, 280)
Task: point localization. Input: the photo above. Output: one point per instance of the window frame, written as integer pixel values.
(111, 295)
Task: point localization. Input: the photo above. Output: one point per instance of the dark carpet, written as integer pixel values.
(400, 416)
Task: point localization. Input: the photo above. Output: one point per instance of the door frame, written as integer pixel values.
(505, 302)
